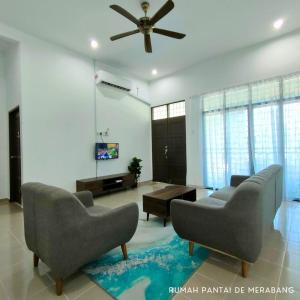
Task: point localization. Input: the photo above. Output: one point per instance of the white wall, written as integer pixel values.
(58, 120)
(13, 76)
(58, 128)
(273, 58)
(266, 60)
(129, 123)
(4, 165)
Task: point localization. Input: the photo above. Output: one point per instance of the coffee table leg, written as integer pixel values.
(147, 216)
(165, 222)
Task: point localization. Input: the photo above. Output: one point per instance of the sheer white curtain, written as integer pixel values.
(214, 146)
(251, 127)
(226, 136)
(266, 137)
(237, 135)
(291, 135)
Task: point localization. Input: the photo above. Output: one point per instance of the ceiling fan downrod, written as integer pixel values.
(145, 6)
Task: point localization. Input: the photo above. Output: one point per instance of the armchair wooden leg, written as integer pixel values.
(245, 268)
(35, 260)
(59, 284)
(124, 250)
(191, 248)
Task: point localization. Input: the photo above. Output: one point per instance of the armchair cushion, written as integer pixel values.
(97, 210)
(224, 194)
(211, 201)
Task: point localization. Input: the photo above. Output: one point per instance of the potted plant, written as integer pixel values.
(135, 169)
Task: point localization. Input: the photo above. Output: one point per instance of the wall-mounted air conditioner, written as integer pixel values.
(115, 81)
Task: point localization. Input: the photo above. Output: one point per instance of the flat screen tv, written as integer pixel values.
(105, 151)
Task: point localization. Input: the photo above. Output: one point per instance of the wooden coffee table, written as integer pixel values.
(158, 203)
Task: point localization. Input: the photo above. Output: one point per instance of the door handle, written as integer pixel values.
(166, 151)
(14, 156)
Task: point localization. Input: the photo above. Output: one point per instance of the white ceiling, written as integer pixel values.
(212, 27)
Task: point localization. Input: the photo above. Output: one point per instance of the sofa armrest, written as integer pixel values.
(85, 197)
(197, 222)
(116, 226)
(236, 180)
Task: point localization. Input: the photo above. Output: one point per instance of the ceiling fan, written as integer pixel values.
(146, 25)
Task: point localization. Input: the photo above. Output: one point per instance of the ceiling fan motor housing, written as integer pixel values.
(145, 25)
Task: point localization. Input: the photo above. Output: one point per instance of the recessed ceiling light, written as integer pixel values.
(278, 24)
(94, 44)
(154, 72)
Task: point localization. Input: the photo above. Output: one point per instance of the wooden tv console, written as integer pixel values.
(106, 184)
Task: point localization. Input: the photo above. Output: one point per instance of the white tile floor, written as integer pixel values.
(278, 264)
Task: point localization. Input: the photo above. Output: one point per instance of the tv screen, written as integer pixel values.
(106, 151)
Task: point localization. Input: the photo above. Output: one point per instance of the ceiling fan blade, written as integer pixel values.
(165, 9)
(148, 46)
(125, 14)
(172, 34)
(121, 35)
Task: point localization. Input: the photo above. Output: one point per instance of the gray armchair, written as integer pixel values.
(66, 230)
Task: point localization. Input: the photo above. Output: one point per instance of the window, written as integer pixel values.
(267, 91)
(266, 143)
(291, 87)
(237, 147)
(226, 135)
(213, 102)
(237, 97)
(214, 149)
(245, 129)
(171, 110)
(176, 109)
(159, 112)
(291, 113)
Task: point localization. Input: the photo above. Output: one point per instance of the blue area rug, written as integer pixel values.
(155, 263)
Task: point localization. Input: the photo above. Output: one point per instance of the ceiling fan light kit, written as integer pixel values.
(146, 24)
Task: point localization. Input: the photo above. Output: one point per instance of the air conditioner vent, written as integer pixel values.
(115, 86)
(115, 81)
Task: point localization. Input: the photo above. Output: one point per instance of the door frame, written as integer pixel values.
(10, 112)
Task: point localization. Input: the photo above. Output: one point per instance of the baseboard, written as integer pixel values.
(4, 199)
(200, 187)
(18, 204)
(144, 182)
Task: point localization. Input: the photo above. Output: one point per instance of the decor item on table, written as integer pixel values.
(135, 168)
(146, 25)
(158, 260)
(235, 219)
(66, 231)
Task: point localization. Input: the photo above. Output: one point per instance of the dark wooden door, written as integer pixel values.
(159, 150)
(169, 150)
(15, 156)
(177, 150)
